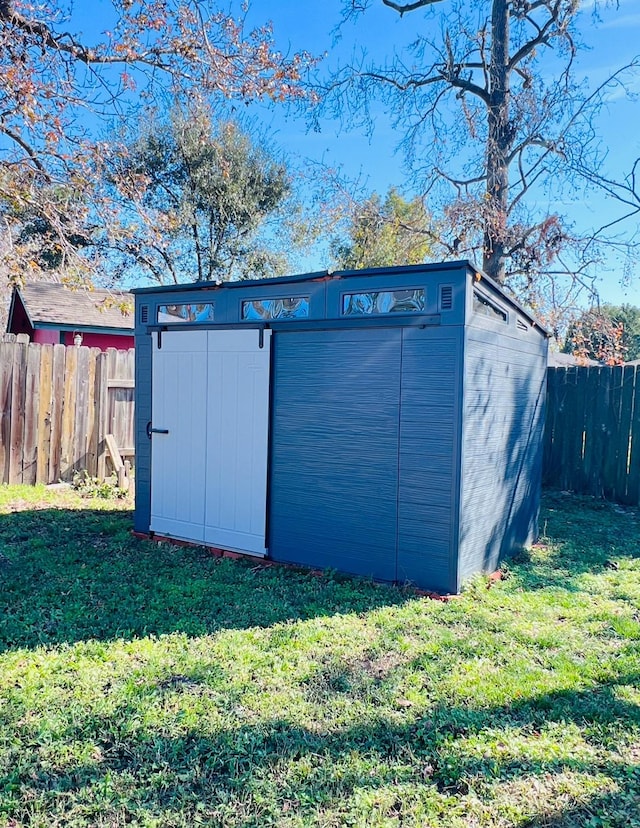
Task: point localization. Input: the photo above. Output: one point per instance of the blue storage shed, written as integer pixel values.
(386, 423)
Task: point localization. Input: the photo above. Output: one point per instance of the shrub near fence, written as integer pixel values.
(57, 406)
(592, 433)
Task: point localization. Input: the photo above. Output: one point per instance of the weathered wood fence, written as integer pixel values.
(57, 405)
(592, 435)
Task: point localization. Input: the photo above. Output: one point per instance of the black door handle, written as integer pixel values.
(151, 431)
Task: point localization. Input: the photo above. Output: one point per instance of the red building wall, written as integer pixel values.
(46, 336)
(102, 341)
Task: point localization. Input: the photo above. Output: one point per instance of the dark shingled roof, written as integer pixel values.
(558, 360)
(56, 303)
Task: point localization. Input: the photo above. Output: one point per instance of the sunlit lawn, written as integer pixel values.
(149, 685)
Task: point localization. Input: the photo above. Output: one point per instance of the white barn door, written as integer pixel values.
(209, 472)
(178, 463)
(237, 440)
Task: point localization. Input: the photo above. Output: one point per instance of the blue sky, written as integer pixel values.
(310, 25)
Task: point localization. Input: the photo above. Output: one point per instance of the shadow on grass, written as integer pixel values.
(255, 767)
(580, 536)
(74, 575)
(68, 576)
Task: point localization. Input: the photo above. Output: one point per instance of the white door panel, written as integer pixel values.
(209, 473)
(178, 458)
(237, 440)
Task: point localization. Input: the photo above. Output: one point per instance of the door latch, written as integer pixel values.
(151, 431)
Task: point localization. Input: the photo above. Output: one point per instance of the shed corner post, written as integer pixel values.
(143, 413)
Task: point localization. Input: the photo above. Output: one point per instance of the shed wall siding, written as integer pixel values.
(334, 468)
(142, 516)
(504, 397)
(429, 448)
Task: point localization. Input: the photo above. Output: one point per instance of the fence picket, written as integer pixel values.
(592, 431)
(59, 352)
(6, 373)
(633, 483)
(44, 413)
(18, 381)
(626, 409)
(68, 413)
(31, 411)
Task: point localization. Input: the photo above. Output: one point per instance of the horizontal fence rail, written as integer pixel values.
(57, 404)
(592, 434)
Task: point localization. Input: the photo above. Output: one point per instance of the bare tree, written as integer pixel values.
(487, 103)
(53, 84)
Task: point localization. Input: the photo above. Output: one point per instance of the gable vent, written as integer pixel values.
(446, 297)
(521, 325)
(144, 314)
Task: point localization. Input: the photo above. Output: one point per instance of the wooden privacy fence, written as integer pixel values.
(58, 404)
(592, 434)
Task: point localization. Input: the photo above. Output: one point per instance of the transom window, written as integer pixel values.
(186, 312)
(483, 305)
(296, 307)
(383, 301)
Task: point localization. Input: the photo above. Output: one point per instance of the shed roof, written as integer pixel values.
(55, 303)
(560, 360)
(397, 271)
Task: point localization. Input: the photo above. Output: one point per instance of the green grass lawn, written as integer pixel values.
(148, 685)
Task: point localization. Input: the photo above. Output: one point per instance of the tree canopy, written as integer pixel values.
(608, 333)
(195, 196)
(380, 233)
(54, 85)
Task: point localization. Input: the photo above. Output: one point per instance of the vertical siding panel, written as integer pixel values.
(503, 420)
(334, 466)
(429, 420)
(143, 413)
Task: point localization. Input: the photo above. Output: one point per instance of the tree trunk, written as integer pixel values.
(498, 145)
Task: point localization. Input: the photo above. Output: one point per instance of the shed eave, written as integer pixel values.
(511, 301)
(239, 283)
(309, 277)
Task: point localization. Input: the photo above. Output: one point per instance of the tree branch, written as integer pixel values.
(403, 8)
(28, 149)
